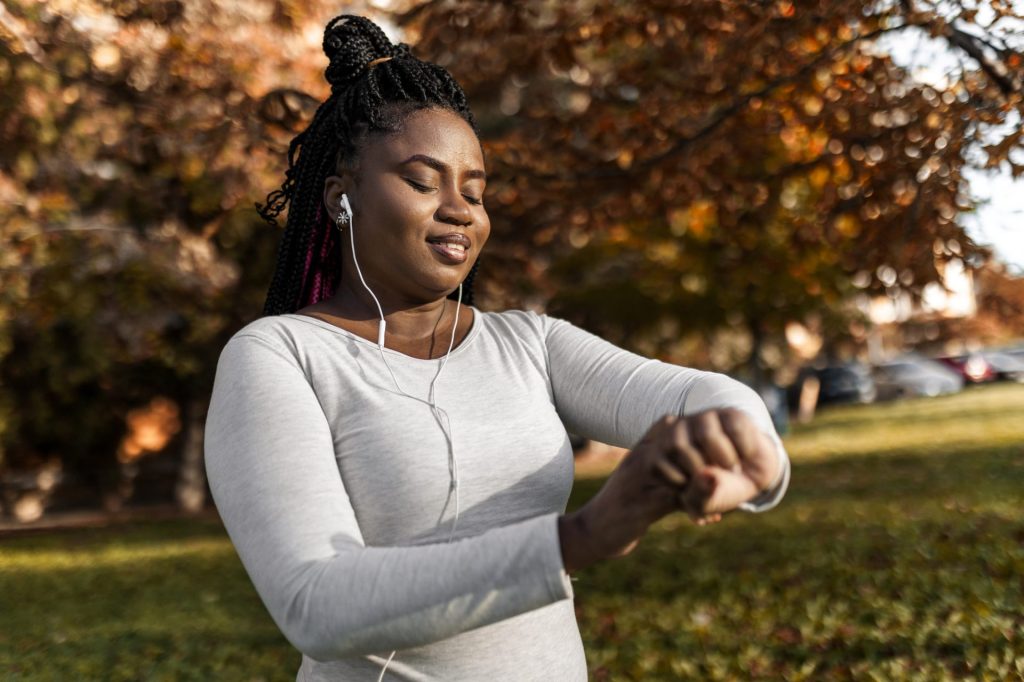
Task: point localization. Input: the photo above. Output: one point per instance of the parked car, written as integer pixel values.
(973, 367)
(1015, 351)
(914, 375)
(1005, 365)
(849, 382)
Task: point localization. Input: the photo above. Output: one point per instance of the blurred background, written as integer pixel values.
(820, 199)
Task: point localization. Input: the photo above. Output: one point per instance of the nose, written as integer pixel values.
(455, 210)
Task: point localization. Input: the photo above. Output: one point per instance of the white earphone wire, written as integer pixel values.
(453, 465)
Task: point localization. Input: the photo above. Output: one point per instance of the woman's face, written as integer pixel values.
(411, 191)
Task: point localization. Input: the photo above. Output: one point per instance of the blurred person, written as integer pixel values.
(391, 463)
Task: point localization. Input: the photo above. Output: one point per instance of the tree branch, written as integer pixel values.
(967, 42)
(612, 173)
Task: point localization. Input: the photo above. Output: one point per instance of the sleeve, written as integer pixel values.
(275, 481)
(609, 394)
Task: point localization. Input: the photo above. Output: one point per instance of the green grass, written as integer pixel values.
(897, 554)
(164, 600)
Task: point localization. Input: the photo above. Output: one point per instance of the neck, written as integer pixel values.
(410, 320)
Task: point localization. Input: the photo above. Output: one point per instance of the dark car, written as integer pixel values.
(974, 368)
(914, 375)
(849, 382)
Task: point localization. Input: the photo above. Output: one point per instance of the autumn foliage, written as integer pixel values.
(660, 171)
(676, 167)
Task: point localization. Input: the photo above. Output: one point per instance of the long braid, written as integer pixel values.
(363, 101)
(295, 241)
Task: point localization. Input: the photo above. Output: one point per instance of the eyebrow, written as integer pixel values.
(442, 167)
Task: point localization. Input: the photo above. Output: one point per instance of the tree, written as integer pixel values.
(658, 168)
(1000, 297)
(137, 136)
(690, 166)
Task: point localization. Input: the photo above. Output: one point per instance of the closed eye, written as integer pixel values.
(418, 187)
(425, 190)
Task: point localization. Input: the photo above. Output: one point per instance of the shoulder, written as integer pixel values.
(538, 329)
(523, 325)
(273, 332)
(521, 321)
(516, 334)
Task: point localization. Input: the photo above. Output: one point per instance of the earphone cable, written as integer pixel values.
(453, 462)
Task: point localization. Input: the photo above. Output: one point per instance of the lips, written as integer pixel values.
(452, 238)
(452, 246)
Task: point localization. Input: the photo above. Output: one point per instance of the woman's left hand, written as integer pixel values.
(725, 459)
(706, 464)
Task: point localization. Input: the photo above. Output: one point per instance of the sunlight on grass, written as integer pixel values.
(897, 554)
(993, 415)
(113, 556)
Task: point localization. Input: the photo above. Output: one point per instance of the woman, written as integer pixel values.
(391, 463)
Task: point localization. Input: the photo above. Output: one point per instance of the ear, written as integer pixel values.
(334, 187)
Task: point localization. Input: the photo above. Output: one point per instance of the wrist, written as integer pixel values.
(573, 538)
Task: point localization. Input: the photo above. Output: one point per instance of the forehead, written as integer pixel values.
(437, 133)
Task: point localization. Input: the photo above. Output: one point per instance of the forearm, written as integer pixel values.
(577, 552)
(370, 599)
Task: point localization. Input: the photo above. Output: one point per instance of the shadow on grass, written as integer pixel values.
(906, 563)
(903, 564)
(124, 651)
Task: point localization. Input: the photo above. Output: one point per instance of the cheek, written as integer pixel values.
(484, 228)
(400, 218)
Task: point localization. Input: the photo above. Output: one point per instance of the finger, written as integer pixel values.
(696, 499)
(730, 491)
(669, 472)
(694, 509)
(740, 430)
(757, 452)
(681, 451)
(700, 486)
(708, 436)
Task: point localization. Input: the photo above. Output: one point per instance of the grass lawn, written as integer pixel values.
(897, 554)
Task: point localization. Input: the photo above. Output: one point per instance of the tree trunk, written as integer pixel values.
(190, 492)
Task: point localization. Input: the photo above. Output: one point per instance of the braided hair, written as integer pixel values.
(364, 100)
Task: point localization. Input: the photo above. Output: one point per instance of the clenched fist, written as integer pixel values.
(705, 464)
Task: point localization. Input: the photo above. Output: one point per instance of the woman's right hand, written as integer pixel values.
(705, 464)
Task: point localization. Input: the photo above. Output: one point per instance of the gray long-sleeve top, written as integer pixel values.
(336, 489)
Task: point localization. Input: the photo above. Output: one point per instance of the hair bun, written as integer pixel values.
(351, 43)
